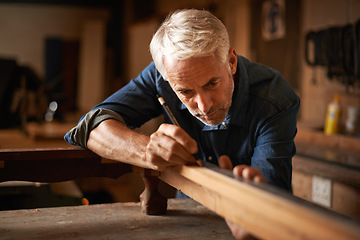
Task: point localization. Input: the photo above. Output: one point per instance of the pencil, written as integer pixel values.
(168, 111)
(174, 121)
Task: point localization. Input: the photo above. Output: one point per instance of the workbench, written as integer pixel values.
(185, 219)
(262, 209)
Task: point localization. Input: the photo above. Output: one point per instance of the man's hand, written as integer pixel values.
(245, 171)
(170, 145)
(248, 173)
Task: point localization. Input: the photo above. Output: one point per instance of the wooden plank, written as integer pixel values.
(265, 211)
(302, 185)
(46, 154)
(56, 164)
(343, 158)
(327, 169)
(317, 138)
(345, 199)
(334, 142)
(185, 219)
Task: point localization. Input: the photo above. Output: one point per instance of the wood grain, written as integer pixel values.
(263, 210)
(186, 219)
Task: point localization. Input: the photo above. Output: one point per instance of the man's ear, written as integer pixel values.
(233, 60)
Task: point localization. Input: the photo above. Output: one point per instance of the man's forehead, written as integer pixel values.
(191, 66)
(172, 60)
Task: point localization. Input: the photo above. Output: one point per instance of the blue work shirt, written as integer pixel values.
(259, 129)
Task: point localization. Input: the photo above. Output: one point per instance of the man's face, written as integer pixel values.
(204, 85)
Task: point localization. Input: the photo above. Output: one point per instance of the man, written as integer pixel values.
(232, 112)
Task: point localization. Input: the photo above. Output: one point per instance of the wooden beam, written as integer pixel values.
(56, 165)
(265, 211)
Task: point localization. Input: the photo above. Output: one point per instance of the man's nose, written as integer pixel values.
(204, 102)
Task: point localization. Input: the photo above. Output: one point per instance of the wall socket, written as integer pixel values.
(321, 191)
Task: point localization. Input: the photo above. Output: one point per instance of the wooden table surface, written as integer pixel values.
(185, 219)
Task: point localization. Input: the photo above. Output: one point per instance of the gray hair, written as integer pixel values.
(189, 33)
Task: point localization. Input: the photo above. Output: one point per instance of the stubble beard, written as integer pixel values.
(221, 111)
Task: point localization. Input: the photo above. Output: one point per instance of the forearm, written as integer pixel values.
(113, 140)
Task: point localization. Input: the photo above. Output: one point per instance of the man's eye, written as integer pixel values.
(185, 92)
(212, 84)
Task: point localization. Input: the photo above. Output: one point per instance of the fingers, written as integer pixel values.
(238, 232)
(180, 136)
(225, 162)
(170, 145)
(168, 149)
(249, 173)
(244, 171)
(156, 163)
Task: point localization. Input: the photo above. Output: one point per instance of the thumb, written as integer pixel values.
(225, 162)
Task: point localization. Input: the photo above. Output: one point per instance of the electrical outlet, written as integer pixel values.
(321, 191)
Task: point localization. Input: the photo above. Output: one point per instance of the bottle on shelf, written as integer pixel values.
(333, 114)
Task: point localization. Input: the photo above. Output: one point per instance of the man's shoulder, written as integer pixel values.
(150, 70)
(149, 76)
(270, 86)
(257, 74)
